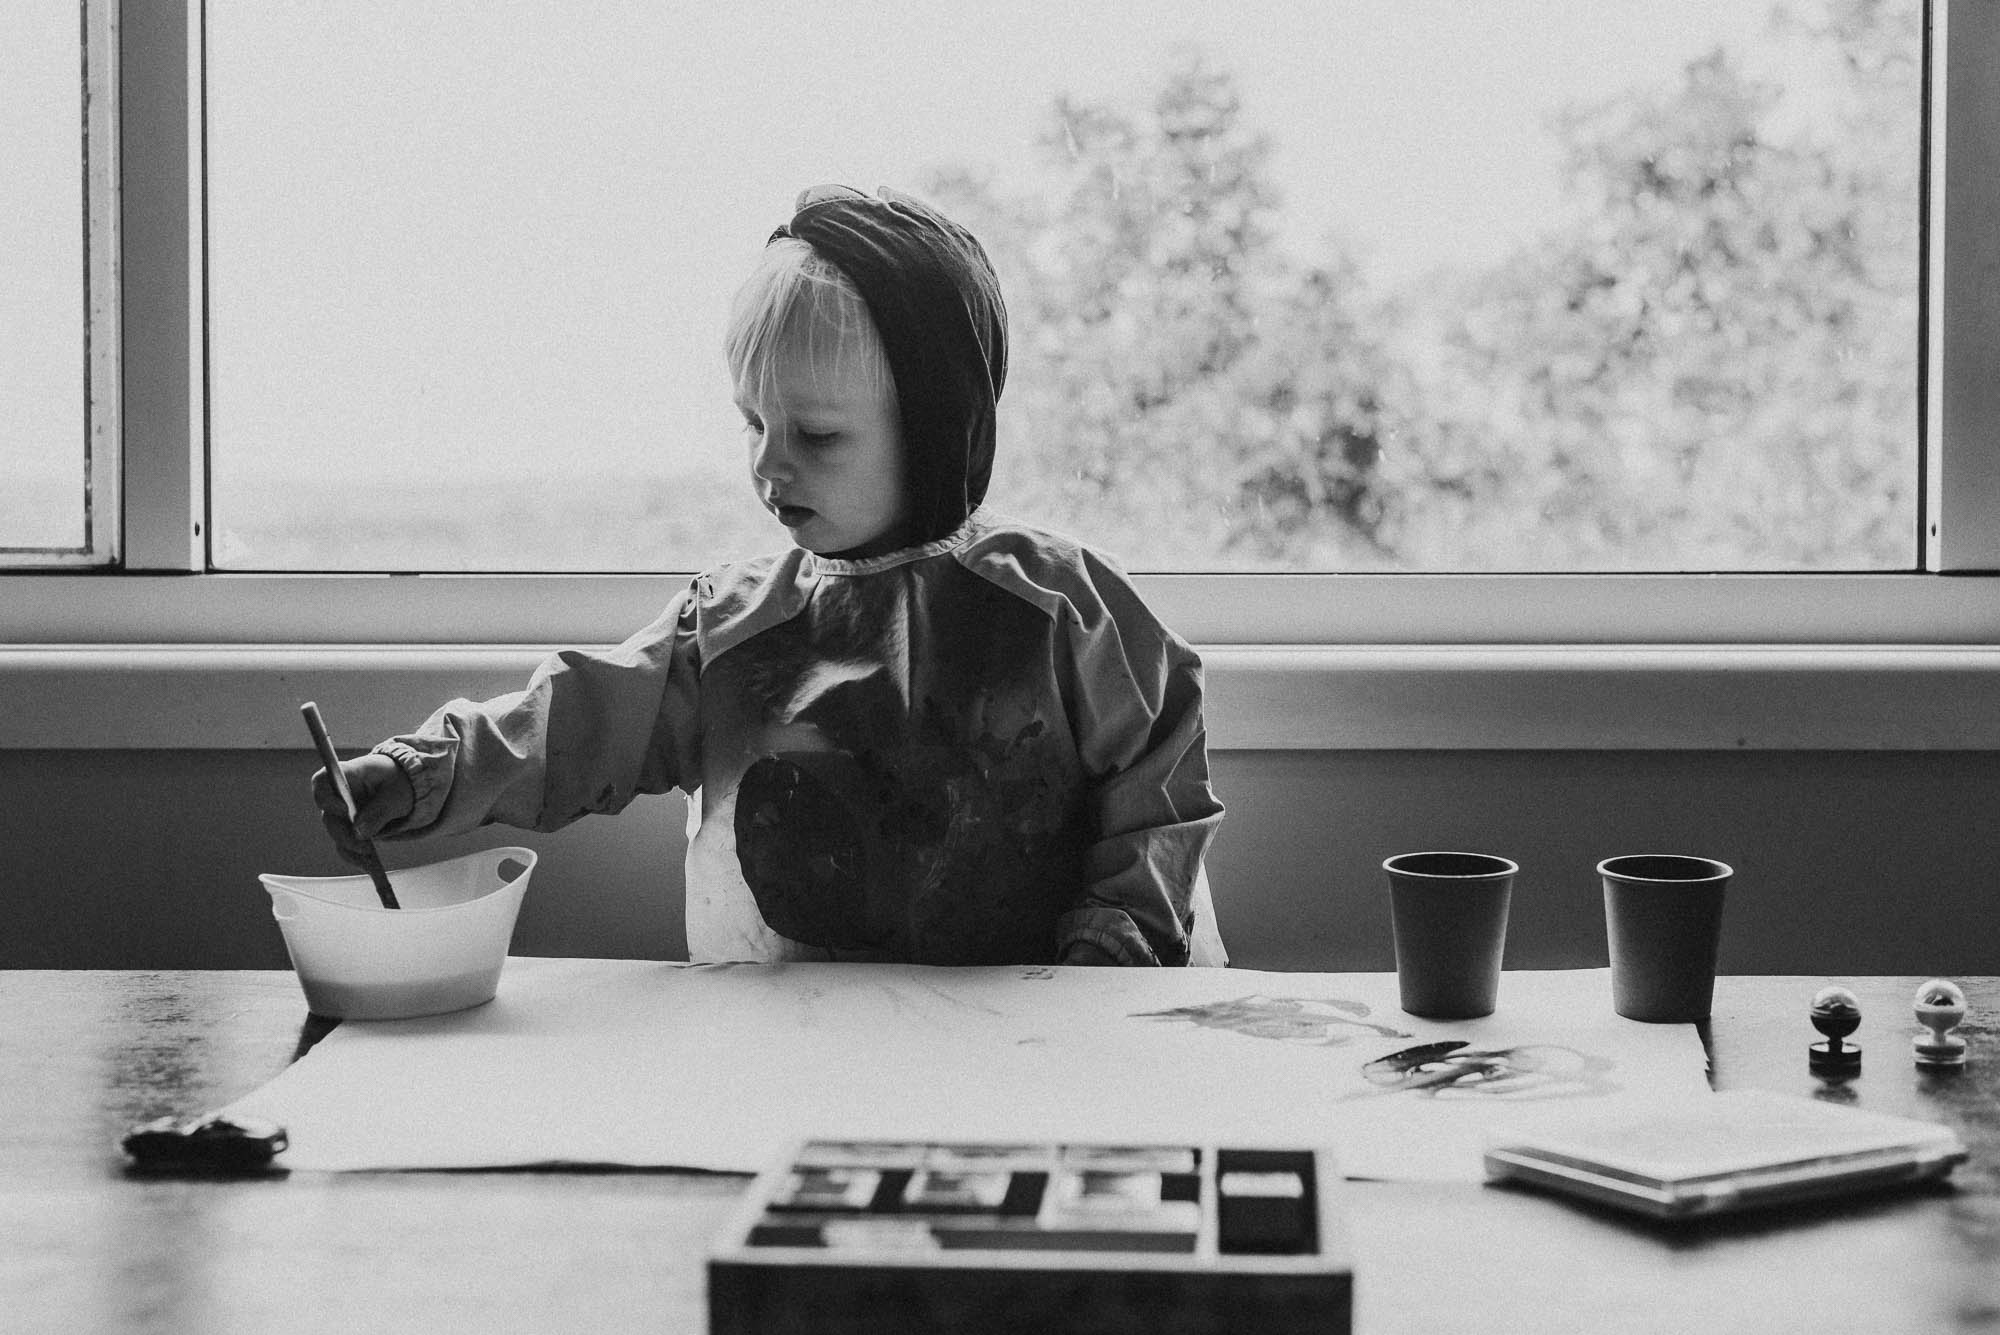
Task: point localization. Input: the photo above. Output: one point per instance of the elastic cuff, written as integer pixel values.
(1110, 930)
(426, 784)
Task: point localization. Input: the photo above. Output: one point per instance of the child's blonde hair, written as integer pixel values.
(796, 298)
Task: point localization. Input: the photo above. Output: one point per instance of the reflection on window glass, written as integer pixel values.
(42, 355)
(1367, 285)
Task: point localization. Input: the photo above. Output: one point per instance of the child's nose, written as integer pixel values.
(768, 458)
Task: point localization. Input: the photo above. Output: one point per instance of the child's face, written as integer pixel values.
(826, 445)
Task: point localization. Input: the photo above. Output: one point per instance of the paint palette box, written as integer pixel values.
(894, 1235)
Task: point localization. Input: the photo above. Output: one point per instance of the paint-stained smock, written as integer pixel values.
(978, 750)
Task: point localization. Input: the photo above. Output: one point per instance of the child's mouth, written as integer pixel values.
(791, 516)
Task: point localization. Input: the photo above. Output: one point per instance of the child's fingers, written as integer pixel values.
(1085, 952)
(324, 795)
(382, 795)
(342, 834)
(333, 814)
(369, 818)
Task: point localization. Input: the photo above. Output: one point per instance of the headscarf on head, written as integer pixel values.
(936, 304)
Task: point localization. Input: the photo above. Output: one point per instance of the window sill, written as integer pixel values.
(1276, 697)
(1307, 610)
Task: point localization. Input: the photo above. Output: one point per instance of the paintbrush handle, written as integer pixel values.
(371, 861)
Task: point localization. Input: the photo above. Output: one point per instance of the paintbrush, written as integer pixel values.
(370, 860)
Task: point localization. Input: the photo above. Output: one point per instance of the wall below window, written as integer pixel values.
(1847, 862)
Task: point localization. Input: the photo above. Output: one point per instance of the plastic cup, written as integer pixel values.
(1449, 911)
(441, 951)
(1663, 922)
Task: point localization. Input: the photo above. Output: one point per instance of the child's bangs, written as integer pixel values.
(798, 304)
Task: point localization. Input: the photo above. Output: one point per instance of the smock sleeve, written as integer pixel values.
(1136, 707)
(590, 731)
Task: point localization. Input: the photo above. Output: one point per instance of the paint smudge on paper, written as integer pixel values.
(1322, 1021)
(1038, 973)
(1456, 1069)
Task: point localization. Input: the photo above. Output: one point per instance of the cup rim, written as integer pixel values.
(1718, 870)
(1506, 867)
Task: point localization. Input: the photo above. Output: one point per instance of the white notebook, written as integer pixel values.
(1733, 1150)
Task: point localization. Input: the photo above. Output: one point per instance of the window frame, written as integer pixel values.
(149, 318)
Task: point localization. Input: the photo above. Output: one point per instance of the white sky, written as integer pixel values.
(568, 193)
(41, 266)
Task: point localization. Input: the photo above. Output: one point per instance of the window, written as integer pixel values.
(321, 347)
(59, 503)
(1411, 289)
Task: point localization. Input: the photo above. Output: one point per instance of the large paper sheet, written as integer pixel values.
(721, 1066)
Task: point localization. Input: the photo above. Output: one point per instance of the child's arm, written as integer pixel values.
(589, 732)
(1137, 712)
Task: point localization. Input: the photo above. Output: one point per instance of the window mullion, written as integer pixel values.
(160, 245)
(102, 277)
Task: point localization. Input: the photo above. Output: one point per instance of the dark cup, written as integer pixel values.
(1449, 911)
(1663, 922)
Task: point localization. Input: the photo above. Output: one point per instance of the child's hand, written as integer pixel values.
(382, 794)
(1084, 952)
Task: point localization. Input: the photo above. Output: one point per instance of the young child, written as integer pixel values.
(926, 733)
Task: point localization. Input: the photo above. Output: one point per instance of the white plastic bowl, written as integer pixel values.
(441, 951)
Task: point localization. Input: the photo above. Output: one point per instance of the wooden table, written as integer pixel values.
(83, 1247)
